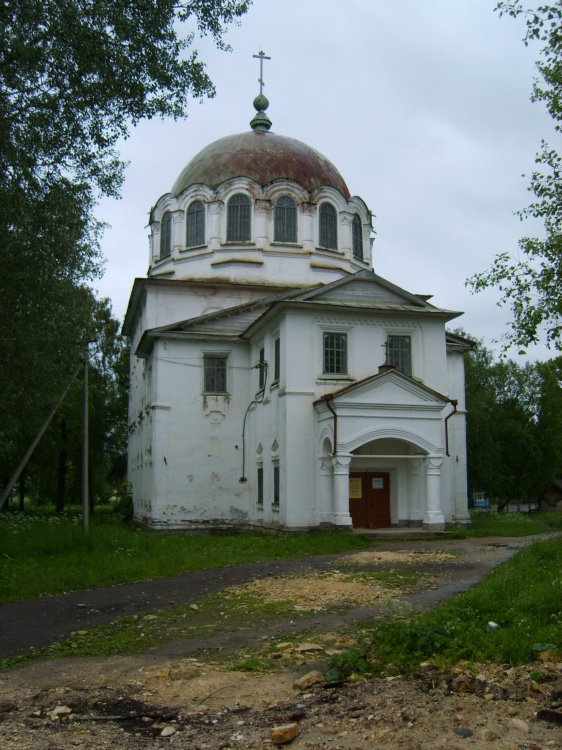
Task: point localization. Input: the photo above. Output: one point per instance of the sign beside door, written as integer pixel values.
(355, 488)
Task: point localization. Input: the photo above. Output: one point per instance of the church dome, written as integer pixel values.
(263, 157)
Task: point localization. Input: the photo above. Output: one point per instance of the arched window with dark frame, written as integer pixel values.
(238, 220)
(195, 224)
(357, 237)
(285, 220)
(166, 235)
(328, 226)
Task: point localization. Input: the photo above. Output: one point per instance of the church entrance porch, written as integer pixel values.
(369, 499)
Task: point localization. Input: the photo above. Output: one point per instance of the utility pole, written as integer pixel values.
(85, 445)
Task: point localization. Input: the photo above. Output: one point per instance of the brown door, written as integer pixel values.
(369, 499)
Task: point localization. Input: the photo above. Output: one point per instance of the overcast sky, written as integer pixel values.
(422, 106)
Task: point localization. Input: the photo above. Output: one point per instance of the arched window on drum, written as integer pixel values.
(285, 220)
(166, 235)
(357, 237)
(328, 226)
(238, 221)
(195, 225)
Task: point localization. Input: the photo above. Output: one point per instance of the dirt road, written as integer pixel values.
(197, 700)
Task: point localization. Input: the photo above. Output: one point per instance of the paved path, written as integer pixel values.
(36, 623)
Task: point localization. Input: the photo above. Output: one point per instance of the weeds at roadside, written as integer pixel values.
(512, 616)
(487, 523)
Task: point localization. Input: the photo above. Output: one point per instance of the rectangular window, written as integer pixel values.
(276, 485)
(260, 486)
(262, 368)
(276, 360)
(400, 353)
(215, 373)
(335, 353)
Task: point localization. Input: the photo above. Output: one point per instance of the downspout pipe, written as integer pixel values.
(329, 398)
(454, 404)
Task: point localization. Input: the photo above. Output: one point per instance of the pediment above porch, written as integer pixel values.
(385, 406)
(388, 388)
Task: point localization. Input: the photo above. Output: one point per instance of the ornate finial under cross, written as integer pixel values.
(261, 56)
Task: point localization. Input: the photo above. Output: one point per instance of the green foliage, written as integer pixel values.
(351, 662)
(49, 554)
(485, 523)
(514, 425)
(74, 77)
(54, 472)
(504, 619)
(531, 283)
(122, 502)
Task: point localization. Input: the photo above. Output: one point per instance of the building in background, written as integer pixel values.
(276, 379)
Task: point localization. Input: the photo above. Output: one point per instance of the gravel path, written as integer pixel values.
(36, 623)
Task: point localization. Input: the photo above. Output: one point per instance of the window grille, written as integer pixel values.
(195, 224)
(238, 225)
(357, 237)
(260, 485)
(277, 360)
(335, 353)
(400, 353)
(328, 226)
(262, 368)
(285, 220)
(215, 373)
(276, 485)
(166, 235)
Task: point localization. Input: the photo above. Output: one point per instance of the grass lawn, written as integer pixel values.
(488, 523)
(42, 553)
(49, 554)
(512, 616)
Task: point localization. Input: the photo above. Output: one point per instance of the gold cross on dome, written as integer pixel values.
(261, 56)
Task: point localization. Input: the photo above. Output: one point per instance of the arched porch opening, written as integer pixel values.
(387, 482)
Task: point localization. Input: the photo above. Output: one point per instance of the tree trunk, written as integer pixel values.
(21, 506)
(61, 482)
(91, 497)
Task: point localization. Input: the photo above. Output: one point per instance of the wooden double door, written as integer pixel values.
(369, 499)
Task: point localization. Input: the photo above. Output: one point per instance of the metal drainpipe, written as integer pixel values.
(454, 403)
(328, 400)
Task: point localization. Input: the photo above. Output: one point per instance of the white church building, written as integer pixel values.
(276, 380)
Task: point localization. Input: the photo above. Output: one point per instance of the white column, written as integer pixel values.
(308, 214)
(262, 222)
(415, 490)
(215, 216)
(178, 228)
(433, 518)
(325, 490)
(345, 232)
(341, 462)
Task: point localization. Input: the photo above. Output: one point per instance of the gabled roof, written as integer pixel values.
(141, 284)
(458, 343)
(231, 322)
(361, 291)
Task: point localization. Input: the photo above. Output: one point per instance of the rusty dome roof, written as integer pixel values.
(264, 157)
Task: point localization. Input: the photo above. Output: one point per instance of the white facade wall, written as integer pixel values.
(197, 460)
